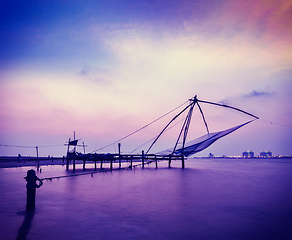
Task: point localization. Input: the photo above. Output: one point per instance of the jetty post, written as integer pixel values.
(37, 152)
(67, 163)
(143, 157)
(120, 163)
(169, 161)
(182, 161)
(84, 163)
(74, 162)
(156, 162)
(131, 166)
(84, 160)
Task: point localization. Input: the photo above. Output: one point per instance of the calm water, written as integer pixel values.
(209, 199)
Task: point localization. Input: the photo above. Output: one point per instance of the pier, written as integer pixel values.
(139, 160)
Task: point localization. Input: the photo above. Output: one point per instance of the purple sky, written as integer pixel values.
(107, 68)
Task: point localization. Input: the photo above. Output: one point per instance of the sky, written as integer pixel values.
(107, 68)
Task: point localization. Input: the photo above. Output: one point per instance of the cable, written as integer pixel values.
(99, 171)
(140, 128)
(6, 145)
(156, 136)
(282, 125)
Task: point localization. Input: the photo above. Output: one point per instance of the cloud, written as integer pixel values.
(255, 93)
(83, 72)
(99, 81)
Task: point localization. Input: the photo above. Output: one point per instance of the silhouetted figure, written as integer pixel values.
(31, 186)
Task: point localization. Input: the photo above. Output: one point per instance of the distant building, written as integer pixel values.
(266, 154)
(248, 154)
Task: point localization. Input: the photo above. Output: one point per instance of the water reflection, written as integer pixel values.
(26, 225)
(209, 199)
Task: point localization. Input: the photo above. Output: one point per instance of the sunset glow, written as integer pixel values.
(107, 68)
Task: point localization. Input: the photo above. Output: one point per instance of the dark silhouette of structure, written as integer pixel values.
(181, 150)
(31, 187)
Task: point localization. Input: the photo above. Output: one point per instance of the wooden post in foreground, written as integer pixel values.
(169, 161)
(31, 186)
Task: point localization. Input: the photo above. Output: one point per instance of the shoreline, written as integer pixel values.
(29, 162)
(14, 162)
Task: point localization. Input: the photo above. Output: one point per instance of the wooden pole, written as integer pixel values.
(143, 156)
(156, 162)
(37, 152)
(120, 163)
(94, 164)
(131, 162)
(182, 162)
(83, 147)
(31, 186)
(74, 162)
(101, 164)
(68, 146)
(67, 163)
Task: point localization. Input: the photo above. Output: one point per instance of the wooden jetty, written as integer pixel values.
(142, 159)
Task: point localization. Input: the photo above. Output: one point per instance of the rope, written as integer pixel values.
(282, 125)
(99, 171)
(7, 145)
(155, 137)
(140, 128)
